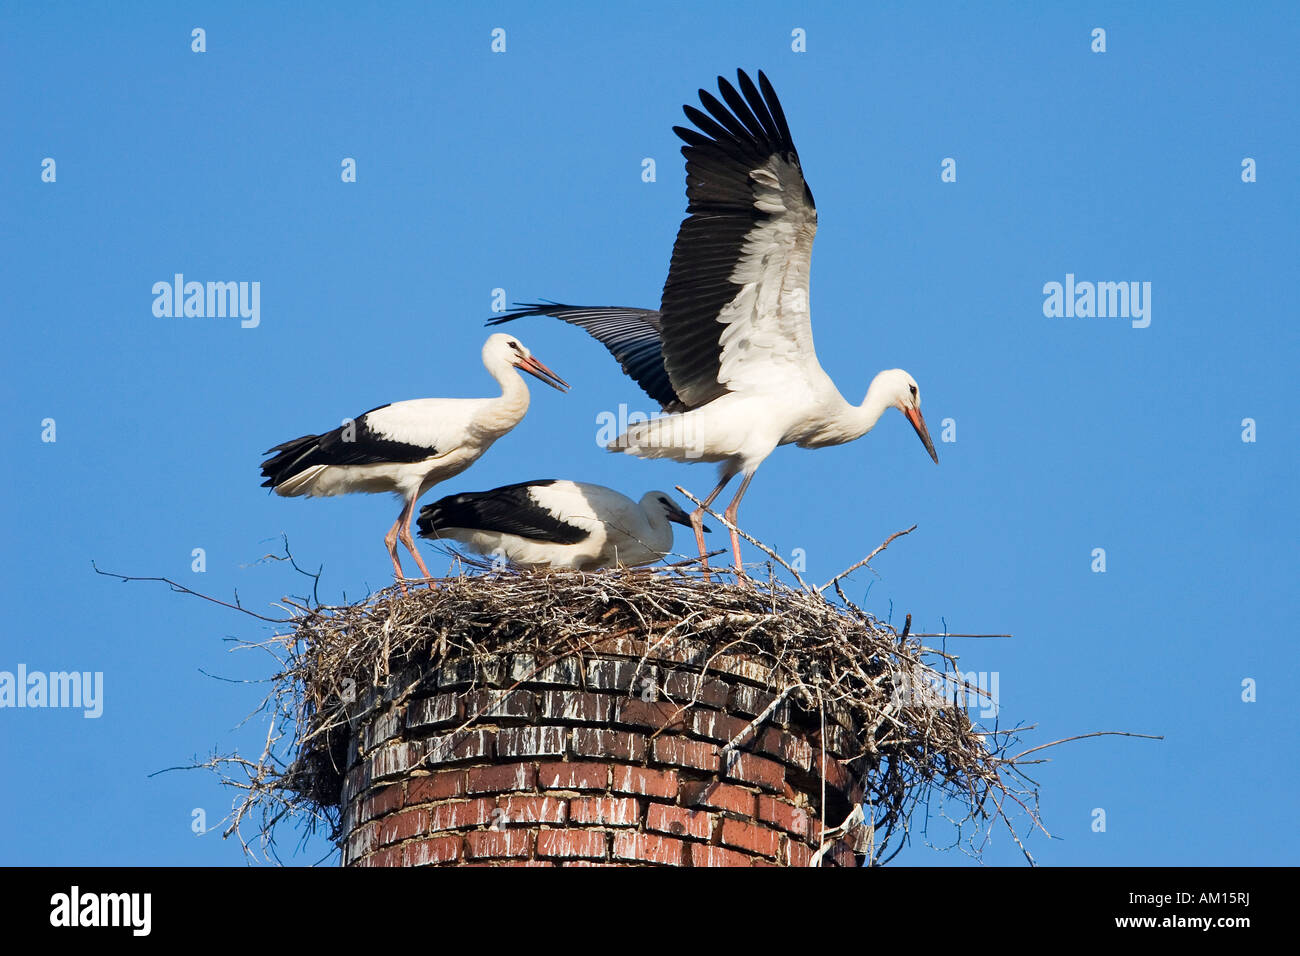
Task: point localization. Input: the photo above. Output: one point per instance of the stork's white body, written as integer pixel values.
(466, 427)
(557, 524)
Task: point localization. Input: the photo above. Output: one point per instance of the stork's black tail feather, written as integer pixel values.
(289, 461)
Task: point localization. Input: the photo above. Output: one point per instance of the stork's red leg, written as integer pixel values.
(390, 539)
(697, 522)
(405, 534)
(732, 510)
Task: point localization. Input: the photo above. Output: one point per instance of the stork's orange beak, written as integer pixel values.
(914, 416)
(537, 369)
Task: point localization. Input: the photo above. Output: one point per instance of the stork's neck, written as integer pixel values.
(507, 411)
(848, 422)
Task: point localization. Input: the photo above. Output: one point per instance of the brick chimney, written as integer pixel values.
(597, 759)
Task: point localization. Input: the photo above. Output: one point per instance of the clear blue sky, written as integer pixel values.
(522, 171)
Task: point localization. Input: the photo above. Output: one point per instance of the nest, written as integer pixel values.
(910, 746)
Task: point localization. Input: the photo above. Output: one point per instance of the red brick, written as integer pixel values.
(528, 809)
(764, 773)
(389, 857)
(786, 747)
(718, 796)
(554, 775)
(382, 801)
(611, 811)
(716, 725)
(797, 854)
(630, 845)
(403, 826)
(466, 745)
(654, 714)
(436, 711)
(679, 821)
(511, 776)
(680, 686)
(577, 706)
(686, 753)
(461, 814)
(705, 855)
(362, 840)
(747, 836)
(617, 744)
(493, 843)
(620, 675)
(532, 741)
(439, 785)
(571, 843)
(519, 704)
(435, 850)
(792, 819)
(651, 783)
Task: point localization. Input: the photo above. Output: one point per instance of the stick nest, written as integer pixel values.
(832, 660)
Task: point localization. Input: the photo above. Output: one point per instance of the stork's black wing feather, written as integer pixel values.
(631, 335)
(352, 444)
(509, 509)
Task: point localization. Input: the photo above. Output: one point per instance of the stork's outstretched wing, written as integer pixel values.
(734, 313)
(631, 335)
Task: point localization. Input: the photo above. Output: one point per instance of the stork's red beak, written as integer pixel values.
(536, 368)
(914, 416)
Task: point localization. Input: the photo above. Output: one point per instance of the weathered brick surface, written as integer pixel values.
(440, 785)
(648, 847)
(652, 783)
(615, 744)
(679, 821)
(718, 796)
(381, 802)
(589, 761)
(606, 811)
(761, 772)
(682, 752)
(511, 776)
(520, 808)
(434, 851)
(503, 842)
(572, 843)
(750, 837)
(573, 776)
(461, 814)
(403, 826)
(577, 706)
(704, 855)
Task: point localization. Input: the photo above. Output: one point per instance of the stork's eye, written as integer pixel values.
(913, 388)
(515, 345)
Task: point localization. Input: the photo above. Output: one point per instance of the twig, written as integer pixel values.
(1099, 733)
(863, 562)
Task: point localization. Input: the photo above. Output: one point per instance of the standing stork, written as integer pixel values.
(557, 524)
(408, 447)
(729, 353)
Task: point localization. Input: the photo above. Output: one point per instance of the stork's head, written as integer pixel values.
(501, 350)
(896, 388)
(661, 503)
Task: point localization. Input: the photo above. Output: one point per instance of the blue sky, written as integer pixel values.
(522, 170)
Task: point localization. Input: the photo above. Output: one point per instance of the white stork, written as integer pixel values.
(408, 447)
(557, 524)
(729, 353)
